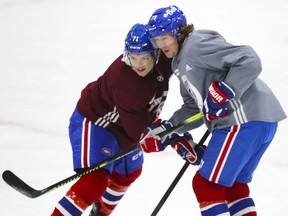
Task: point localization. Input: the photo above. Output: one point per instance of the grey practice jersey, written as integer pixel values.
(206, 57)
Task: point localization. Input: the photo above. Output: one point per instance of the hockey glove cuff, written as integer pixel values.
(150, 141)
(189, 150)
(215, 104)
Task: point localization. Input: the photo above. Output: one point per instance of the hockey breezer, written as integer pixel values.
(19, 185)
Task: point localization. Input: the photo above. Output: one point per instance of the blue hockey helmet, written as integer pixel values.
(165, 20)
(137, 40)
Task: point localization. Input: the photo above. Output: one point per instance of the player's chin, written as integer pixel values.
(142, 73)
(168, 53)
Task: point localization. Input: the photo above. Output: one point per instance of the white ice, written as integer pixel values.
(50, 49)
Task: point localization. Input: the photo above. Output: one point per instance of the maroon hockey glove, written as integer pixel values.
(150, 142)
(215, 104)
(188, 150)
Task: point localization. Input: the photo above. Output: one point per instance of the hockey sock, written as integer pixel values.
(214, 208)
(82, 194)
(238, 200)
(242, 207)
(211, 197)
(117, 187)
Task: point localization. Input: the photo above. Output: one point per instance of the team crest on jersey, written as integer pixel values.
(192, 90)
(160, 78)
(106, 151)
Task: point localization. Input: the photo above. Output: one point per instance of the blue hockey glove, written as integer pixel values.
(188, 150)
(150, 142)
(215, 104)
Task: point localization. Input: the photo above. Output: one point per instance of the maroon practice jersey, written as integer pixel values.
(125, 103)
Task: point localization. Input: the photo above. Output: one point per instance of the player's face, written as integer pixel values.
(142, 64)
(167, 43)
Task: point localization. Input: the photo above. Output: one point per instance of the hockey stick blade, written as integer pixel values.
(19, 185)
(15, 182)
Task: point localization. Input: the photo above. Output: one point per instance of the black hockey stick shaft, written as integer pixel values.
(176, 180)
(19, 185)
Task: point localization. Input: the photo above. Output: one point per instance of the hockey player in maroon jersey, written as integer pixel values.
(110, 116)
(240, 110)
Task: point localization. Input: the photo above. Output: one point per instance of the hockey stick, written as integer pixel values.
(176, 180)
(19, 185)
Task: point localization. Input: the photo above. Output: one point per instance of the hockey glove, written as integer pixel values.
(150, 142)
(215, 104)
(189, 150)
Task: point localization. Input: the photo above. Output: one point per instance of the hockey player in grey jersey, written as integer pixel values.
(240, 110)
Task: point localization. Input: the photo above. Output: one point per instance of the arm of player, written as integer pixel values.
(151, 142)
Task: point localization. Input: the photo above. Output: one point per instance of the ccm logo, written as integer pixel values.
(135, 157)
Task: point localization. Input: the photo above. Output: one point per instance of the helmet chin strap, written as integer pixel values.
(157, 55)
(126, 59)
(156, 60)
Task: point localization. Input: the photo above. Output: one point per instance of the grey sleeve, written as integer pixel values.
(241, 63)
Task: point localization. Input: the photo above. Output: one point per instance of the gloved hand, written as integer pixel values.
(215, 104)
(188, 150)
(150, 141)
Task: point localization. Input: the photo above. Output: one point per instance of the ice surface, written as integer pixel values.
(50, 49)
